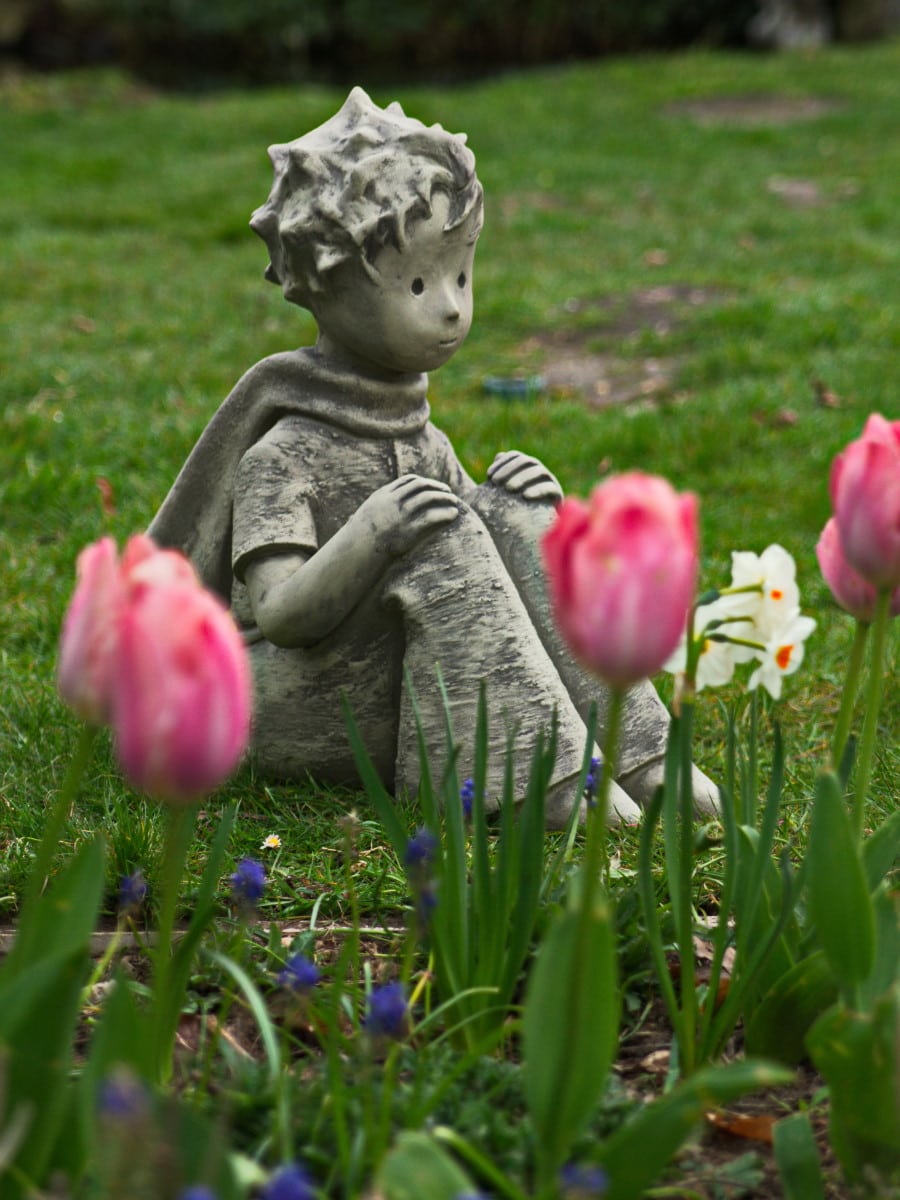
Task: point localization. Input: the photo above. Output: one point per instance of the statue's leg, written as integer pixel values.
(516, 526)
(461, 611)
(298, 722)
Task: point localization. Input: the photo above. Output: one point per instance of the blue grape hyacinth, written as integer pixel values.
(387, 1011)
(248, 883)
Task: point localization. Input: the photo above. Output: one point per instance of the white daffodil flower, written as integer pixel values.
(717, 661)
(774, 572)
(783, 654)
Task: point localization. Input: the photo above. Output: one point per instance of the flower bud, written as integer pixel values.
(865, 495)
(87, 649)
(148, 650)
(622, 572)
(848, 587)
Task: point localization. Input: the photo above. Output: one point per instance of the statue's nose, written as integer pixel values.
(451, 306)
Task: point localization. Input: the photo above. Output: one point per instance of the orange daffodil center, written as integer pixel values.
(783, 657)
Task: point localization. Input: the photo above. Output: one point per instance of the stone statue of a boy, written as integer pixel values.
(354, 549)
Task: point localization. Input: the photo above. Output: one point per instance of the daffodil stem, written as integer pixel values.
(848, 696)
(751, 796)
(873, 705)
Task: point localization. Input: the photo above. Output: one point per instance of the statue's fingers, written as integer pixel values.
(506, 461)
(528, 474)
(416, 485)
(544, 489)
(517, 473)
(444, 505)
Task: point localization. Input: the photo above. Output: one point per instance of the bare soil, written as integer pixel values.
(729, 1157)
(753, 109)
(571, 362)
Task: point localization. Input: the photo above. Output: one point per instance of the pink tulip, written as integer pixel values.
(143, 563)
(622, 571)
(848, 587)
(146, 649)
(865, 495)
(88, 644)
(181, 712)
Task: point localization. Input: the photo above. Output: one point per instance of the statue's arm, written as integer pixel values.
(300, 598)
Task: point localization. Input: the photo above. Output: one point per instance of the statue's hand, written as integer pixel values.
(524, 475)
(404, 511)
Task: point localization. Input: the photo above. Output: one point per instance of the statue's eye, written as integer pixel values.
(418, 286)
(461, 279)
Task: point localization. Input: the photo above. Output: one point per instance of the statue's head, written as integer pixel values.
(356, 185)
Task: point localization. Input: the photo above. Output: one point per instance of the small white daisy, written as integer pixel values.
(272, 842)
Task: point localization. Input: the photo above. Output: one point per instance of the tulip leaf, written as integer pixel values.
(570, 1027)
(636, 1153)
(64, 918)
(121, 1039)
(417, 1168)
(838, 892)
(886, 902)
(799, 1166)
(881, 851)
(36, 1029)
(859, 1055)
(778, 1024)
(40, 998)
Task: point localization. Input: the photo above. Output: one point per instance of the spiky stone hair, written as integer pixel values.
(354, 185)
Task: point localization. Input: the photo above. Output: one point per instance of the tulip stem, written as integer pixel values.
(848, 695)
(684, 910)
(873, 705)
(180, 828)
(53, 829)
(596, 857)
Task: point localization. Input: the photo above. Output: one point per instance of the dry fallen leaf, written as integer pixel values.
(756, 1128)
(107, 496)
(825, 397)
(656, 1063)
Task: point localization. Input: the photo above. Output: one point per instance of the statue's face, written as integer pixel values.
(418, 310)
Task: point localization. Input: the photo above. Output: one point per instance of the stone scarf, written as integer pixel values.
(195, 517)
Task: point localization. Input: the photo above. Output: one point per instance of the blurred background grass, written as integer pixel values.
(133, 299)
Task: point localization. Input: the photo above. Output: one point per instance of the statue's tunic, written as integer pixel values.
(288, 458)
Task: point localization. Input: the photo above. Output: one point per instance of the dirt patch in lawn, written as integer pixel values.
(753, 109)
(570, 360)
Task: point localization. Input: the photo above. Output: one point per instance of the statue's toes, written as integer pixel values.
(622, 808)
(706, 794)
(641, 783)
(562, 796)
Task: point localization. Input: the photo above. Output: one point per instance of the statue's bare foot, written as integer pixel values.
(641, 783)
(561, 797)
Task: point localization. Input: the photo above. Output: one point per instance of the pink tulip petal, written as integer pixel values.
(88, 640)
(622, 574)
(865, 493)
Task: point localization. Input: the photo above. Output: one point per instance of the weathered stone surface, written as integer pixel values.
(356, 552)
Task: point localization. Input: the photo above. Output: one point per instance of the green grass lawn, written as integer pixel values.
(133, 299)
